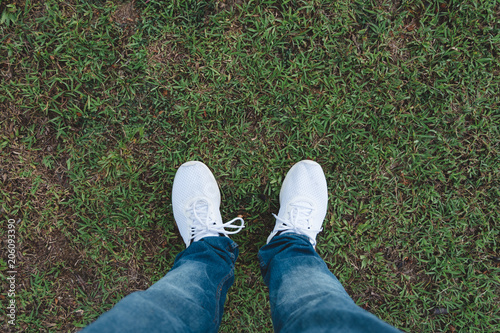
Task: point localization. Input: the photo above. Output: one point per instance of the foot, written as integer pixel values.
(196, 202)
(303, 201)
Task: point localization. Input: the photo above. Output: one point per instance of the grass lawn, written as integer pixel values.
(399, 101)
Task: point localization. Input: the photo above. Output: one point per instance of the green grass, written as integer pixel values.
(397, 100)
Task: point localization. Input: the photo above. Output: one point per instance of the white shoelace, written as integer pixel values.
(205, 225)
(298, 219)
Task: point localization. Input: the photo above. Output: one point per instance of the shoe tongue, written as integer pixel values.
(201, 208)
(304, 210)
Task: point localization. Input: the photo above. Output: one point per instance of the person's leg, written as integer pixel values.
(190, 298)
(305, 296)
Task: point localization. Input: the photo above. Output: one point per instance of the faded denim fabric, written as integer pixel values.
(305, 296)
(190, 298)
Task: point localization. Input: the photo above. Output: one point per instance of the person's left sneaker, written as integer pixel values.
(196, 202)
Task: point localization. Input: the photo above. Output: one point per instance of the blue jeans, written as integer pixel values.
(305, 296)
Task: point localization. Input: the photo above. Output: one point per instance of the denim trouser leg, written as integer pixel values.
(190, 298)
(305, 296)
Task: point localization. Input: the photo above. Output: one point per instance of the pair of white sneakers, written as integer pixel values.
(196, 202)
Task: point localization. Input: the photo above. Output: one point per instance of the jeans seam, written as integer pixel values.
(219, 291)
(262, 263)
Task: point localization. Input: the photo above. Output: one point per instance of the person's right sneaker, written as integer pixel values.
(303, 201)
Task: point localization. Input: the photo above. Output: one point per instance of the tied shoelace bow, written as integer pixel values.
(204, 223)
(298, 220)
